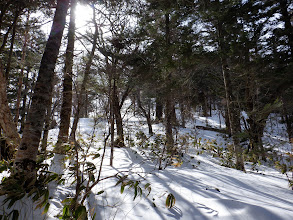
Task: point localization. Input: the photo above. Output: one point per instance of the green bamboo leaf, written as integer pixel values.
(135, 193)
(147, 185)
(46, 208)
(170, 200)
(122, 188)
(100, 192)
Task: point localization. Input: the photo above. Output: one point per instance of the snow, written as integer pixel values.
(202, 187)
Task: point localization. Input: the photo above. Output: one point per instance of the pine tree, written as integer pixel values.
(25, 159)
(67, 84)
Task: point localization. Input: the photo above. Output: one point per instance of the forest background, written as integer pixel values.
(170, 59)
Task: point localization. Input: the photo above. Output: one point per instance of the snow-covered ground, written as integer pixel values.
(203, 189)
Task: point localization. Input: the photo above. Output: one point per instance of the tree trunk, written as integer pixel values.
(169, 110)
(159, 109)
(182, 113)
(47, 127)
(169, 125)
(234, 116)
(232, 110)
(80, 100)
(13, 25)
(146, 115)
(67, 84)
(22, 62)
(118, 118)
(11, 46)
(112, 117)
(26, 155)
(24, 108)
(288, 118)
(256, 129)
(6, 119)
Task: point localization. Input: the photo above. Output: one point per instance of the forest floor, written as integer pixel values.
(202, 187)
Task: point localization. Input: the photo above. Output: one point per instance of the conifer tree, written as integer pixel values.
(26, 155)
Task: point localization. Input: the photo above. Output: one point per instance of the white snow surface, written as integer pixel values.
(202, 187)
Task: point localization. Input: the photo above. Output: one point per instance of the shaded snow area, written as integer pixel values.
(203, 189)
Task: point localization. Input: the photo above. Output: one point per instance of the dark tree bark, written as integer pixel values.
(159, 109)
(145, 113)
(233, 114)
(24, 109)
(111, 114)
(169, 107)
(67, 84)
(48, 120)
(27, 152)
(12, 26)
(20, 81)
(288, 118)
(119, 142)
(232, 109)
(8, 67)
(6, 119)
(182, 113)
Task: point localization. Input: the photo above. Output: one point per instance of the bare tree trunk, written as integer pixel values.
(182, 113)
(288, 118)
(24, 109)
(47, 126)
(112, 117)
(22, 63)
(80, 100)
(234, 117)
(67, 84)
(11, 46)
(26, 155)
(159, 109)
(118, 118)
(169, 124)
(232, 110)
(169, 107)
(146, 115)
(6, 120)
(13, 25)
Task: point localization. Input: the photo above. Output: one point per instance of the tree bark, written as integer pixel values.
(118, 118)
(47, 126)
(6, 119)
(182, 113)
(146, 115)
(26, 155)
(24, 108)
(13, 25)
(234, 116)
(22, 63)
(169, 107)
(159, 109)
(288, 118)
(232, 110)
(67, 84)
(11, 45)
(80, 100)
